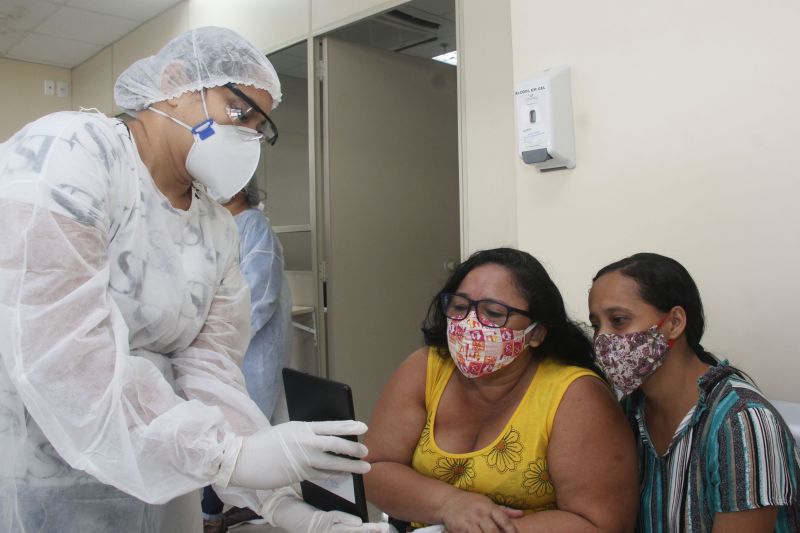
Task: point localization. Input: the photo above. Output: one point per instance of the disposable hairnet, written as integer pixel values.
(252, 194)
(200, 58)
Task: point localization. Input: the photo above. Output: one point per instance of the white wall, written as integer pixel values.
(93, 83)
(94, 79)
(148, 39)
(269, 24)
(486, 127)
(22, 97)
(685, 114)
(687, 119)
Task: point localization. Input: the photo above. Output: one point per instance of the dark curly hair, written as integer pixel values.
(565, 341)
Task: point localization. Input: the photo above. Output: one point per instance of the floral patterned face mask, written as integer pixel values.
(479, 350)
(627, 359)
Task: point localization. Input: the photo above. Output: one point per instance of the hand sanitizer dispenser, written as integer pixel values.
(545, 132)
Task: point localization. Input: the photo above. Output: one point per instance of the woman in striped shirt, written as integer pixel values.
(714, 455)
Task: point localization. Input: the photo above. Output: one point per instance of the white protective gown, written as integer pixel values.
(124, 322)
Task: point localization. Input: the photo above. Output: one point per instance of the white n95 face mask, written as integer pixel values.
(225, 160)
(223, 157)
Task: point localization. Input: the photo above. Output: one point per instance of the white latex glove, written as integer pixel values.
(296, 516)
(295, 451)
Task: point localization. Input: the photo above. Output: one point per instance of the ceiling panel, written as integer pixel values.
(70, 31)
(59, 52)
(24, 14)
(86, 26)
(140, 10)
(65, 33)
(9, 38)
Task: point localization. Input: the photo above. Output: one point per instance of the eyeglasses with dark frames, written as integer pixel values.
(490, 313)
(269, 130)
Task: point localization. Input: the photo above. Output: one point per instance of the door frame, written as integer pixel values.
(317, 102)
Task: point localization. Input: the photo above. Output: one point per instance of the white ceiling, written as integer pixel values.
(65, 33)
(422, 28)
(387, 32)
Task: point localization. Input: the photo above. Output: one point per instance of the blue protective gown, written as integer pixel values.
(261, 264)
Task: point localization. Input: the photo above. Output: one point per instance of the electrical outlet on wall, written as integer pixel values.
(49, 88)
(62, 89)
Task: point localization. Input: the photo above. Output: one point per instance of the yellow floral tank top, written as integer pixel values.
(512, 470)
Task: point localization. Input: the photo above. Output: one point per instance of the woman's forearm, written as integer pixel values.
(405, 494)
(562, 521)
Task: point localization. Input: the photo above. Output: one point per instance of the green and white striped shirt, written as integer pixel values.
(732, 452)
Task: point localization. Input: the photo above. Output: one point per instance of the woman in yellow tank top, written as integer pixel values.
(501, 423)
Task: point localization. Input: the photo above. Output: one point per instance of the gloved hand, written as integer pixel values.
(287, 453)
(296, 516)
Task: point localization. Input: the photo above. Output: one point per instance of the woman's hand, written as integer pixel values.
(469, 512)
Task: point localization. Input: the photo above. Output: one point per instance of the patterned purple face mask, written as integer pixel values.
(627, 359)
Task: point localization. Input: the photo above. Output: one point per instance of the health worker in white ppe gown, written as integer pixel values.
(261, 262)
(125, 317)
